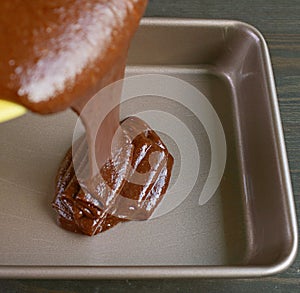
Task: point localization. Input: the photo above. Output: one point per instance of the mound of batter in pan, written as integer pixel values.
(129, 186)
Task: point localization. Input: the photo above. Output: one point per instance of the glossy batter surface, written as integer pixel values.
(130, 186)
(55, 53)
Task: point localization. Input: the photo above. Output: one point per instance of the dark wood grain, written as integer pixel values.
(279, 21)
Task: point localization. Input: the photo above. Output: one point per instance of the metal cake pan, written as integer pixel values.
(247, 229)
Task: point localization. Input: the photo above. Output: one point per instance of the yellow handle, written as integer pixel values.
(9, 110)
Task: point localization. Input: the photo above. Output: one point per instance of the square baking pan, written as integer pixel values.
(248, 228)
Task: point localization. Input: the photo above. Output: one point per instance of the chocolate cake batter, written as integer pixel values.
(120, 196)
(58, 54)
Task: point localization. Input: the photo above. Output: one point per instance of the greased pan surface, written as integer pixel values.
(248, 228)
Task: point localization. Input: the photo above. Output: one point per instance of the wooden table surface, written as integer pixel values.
(279, 21)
